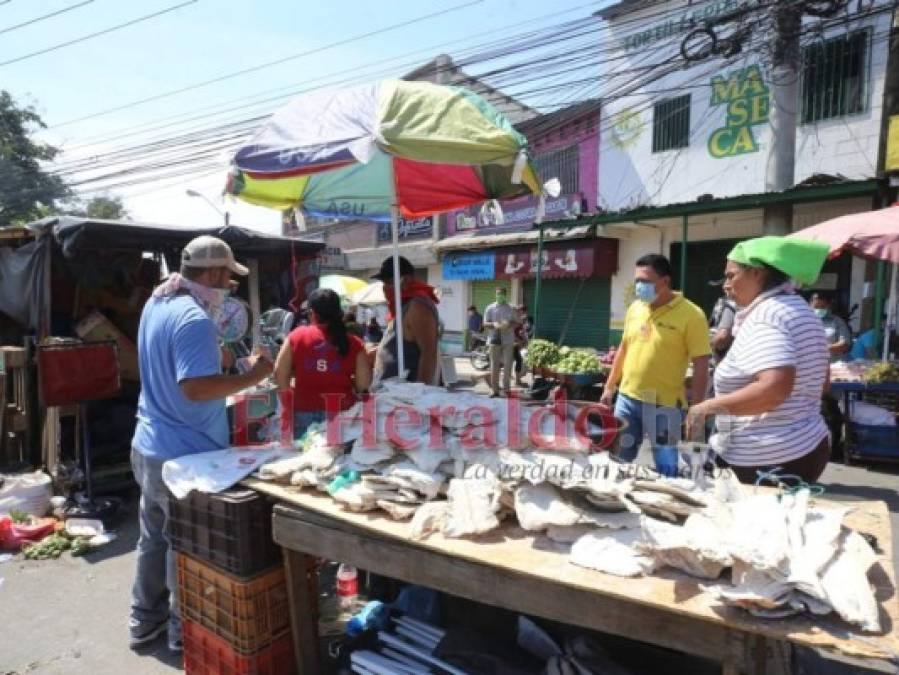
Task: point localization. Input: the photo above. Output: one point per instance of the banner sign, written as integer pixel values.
(407, 229)
(469, 266)
(517, 214)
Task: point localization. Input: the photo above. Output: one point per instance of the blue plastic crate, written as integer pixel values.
(875, 441)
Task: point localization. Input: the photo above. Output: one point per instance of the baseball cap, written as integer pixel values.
(386, 271)
(209, 251)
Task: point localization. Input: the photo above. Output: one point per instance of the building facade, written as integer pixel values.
(687, 147)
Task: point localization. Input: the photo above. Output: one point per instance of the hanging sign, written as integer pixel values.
(407, 229)
(469, 266)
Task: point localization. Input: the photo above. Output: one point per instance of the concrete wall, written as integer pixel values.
(632, 175)
(637, 240)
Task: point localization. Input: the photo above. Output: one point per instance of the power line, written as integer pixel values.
(262, 66)
(46, 16)
(180, 153)
(599, 28)
(97, 34)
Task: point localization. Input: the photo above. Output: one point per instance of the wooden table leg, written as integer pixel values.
(303, 600)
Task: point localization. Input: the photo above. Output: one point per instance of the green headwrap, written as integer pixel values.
(799, 259)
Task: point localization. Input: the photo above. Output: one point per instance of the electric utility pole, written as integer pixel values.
(783, 77)
(783, 113)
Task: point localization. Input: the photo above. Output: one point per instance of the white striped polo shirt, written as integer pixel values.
(781, 331)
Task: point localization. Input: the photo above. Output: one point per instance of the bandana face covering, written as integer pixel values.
(211, 300)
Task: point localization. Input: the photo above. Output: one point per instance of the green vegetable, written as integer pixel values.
(579, 362)
(882, 372)
(80, 546)
(19, 517)
(51, 546)
(542, 353)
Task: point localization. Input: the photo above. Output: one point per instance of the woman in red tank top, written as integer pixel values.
(328, 365)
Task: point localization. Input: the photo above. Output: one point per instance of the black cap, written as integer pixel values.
(386, 273)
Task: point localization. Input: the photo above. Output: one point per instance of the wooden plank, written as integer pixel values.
(303, 620)
(510, 551)
(299, 530)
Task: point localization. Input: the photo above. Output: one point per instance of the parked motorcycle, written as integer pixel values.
(479, 353)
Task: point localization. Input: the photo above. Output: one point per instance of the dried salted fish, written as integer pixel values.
(682, 489)
(429, 517)
(755, 589)
(612, 552)
(539, 506)
(373, 455)
(396, 510)
(568, 534)
(473, 505)
(759, 533)
(428, 458)
(356, 497)
(652, 502)
(695, 548)
(846, 585)
(304, 478)
(410, 475)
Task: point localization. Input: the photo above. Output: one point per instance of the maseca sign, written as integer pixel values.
(746, 96)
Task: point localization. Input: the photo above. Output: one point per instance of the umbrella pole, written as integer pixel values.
(891, 313)
(398, 300)
(878, 296)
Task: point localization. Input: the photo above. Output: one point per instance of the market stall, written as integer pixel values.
(529, 573)
(872, 235)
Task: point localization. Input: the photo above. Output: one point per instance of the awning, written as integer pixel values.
(473, 242)
(577, 259)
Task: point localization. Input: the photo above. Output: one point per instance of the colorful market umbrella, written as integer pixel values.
(344, 286)
(871, 234)
(373, 294)
(378, 151)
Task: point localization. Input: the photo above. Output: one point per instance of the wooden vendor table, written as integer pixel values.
(516, 570)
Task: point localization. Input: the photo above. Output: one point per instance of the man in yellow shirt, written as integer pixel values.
(663, 333)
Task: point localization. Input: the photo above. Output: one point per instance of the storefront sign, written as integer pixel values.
(469, 266)
(516, 214)
(677, 25)
(746, 96)
(332, 258)
(407, 229)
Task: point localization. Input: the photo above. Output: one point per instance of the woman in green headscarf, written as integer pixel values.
(768, 388)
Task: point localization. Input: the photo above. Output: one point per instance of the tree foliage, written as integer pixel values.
(27, 190)
(106, 208)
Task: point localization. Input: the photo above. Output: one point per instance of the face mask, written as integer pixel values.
(645, 291)
(822, 313)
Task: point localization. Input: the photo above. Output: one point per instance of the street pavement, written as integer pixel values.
(70, 615)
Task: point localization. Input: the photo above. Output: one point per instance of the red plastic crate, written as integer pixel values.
(207, 654)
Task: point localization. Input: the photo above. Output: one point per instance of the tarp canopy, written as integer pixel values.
(84, 234)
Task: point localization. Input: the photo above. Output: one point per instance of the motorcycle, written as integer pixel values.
(479, 354)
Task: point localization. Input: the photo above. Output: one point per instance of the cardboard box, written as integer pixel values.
(95, 327)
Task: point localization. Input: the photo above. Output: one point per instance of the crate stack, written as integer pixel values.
(232, 589)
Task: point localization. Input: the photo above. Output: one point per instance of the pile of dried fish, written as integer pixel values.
(785, 555)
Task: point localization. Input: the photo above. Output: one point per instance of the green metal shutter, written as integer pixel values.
(484, 292)
(589, 317)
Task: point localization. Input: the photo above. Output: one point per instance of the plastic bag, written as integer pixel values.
(27, 492)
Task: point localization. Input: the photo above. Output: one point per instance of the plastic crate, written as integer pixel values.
(207, 654)
(248, 615)
(231, 529)
(875, 441)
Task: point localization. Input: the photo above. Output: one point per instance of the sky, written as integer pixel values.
(206, 39)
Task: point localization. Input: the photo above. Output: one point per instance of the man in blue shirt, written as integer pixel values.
(181, 411)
